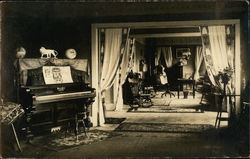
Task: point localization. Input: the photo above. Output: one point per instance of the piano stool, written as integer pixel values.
(80, 117)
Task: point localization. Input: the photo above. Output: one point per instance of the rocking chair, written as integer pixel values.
(138, 97)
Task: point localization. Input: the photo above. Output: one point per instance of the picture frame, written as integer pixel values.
(180, 52)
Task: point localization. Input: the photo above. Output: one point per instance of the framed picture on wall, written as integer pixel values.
(182, 52)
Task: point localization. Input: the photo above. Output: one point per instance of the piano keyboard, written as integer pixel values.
(66, 96)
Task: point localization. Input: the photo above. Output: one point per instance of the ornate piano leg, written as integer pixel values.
(85, 119)
(86, 107)
(82, 116)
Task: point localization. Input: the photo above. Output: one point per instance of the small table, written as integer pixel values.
(181, 81)
(9, 113)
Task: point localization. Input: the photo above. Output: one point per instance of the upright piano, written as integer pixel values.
(51, 103)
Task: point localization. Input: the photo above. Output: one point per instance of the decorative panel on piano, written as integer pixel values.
(52, 92)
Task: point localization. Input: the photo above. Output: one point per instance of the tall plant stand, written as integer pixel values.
(232, 106)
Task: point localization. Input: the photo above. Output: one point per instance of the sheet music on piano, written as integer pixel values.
(57, 74)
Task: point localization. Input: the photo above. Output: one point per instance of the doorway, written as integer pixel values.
(158, 25)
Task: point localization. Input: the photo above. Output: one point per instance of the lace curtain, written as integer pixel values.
(218, 52)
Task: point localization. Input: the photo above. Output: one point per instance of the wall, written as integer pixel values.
(245, 56)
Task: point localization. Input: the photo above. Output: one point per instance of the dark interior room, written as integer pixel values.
(124, 78)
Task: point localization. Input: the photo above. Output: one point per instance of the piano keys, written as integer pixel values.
(42, 94)
(61, 97)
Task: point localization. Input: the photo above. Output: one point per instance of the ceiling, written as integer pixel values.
(69, 9)
(182, 9)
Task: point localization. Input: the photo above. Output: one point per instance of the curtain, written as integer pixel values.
(112, 45)
(218, 52)
(217, 37)
(198, 61)
(167, 54)
(136, 59)
(218, 46)
(125, 68)
(157, 56)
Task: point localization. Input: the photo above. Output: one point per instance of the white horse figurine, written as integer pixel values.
(48, 53)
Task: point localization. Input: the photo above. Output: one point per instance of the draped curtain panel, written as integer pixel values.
(136, 60)
(157, 56)
(112, 45)
(124, 69)
(218, 52)
(198, 61)
(167, 54)
(168, 57)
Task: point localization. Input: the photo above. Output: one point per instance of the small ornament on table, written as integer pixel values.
(70, 53)
(20, 52)
(48, 53)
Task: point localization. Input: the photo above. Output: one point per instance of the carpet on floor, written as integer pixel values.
(170, 105)
(164, 127)
(58, 141)
(165, 109)
(114, 120)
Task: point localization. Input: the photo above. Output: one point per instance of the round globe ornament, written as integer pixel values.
(20, 52)
(70, 53)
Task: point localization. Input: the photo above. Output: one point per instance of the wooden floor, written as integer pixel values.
(218, 143)
(134, 144)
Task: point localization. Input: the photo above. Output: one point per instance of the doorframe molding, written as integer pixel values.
(167, 24)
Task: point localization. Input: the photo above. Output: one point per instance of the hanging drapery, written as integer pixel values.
(218, 52)
(198, 61)
(124, 69)
(157, 56)
(168, 57)
(136, 60)
(167, 54)
(112, 46)
(230, 42)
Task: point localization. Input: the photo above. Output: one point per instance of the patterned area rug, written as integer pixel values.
(171, 105)
(161, 109)
(114, 120)
(58, 141)
(163, 127)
